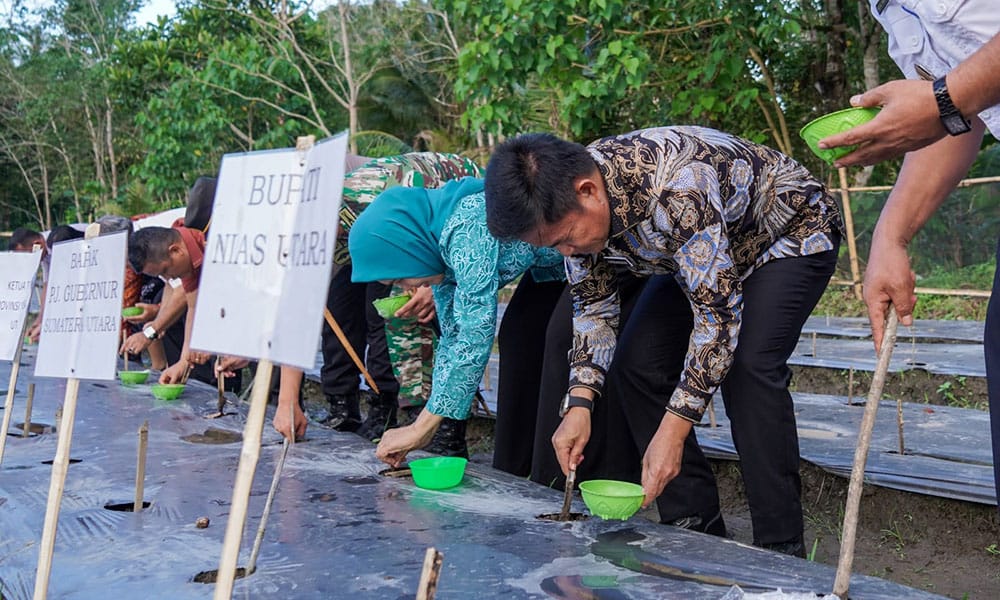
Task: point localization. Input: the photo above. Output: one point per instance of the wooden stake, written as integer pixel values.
(140, 466)
(899, 424)
(252, 564)
(711, 414)
(8, 406)
(850, 386)
(852, 246)
(814, 344)
(843, 577)
(244, 479)
(58, 481)
(429, 575)
(27, 410)
(124, 350)
(350, 349)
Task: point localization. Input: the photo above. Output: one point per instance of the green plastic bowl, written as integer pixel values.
(387, 307)
(133, 377)
(132, 311)
(439, 472)
(609, 499)
(835, 122)
(167, 391)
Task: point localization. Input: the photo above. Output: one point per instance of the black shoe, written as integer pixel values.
(792, 548)
(713, 526)
(381, 416)
(449, 439)
(345, 412)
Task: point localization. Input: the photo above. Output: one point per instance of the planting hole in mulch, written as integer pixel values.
(401, 472)
(72, 461)
(360, 479)
(36, 428)
(125, 506)
(323, 497)
(213, 436)
(556, 517)
(213, 575)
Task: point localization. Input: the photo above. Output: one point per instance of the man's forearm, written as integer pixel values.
(974, 85)
(172, 306)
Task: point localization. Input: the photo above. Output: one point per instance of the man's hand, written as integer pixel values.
(420, 306)
(571, 438)
(198, 358)
(135, 343)
(175, 372)
(227, 366)
(662, 461)
(149, 312)
(35, 331)
(283, 424)
(909, 120)
(888, 280)
(397, 443)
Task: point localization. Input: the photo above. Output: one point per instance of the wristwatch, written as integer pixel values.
(954, 122)
(150, 332)
(570, 401)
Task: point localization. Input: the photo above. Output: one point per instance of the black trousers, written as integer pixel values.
(610, 453)
(351, 306)
(991, 347)
(777, 300)
(521, 341)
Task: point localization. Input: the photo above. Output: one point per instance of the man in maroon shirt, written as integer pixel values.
(172, 253)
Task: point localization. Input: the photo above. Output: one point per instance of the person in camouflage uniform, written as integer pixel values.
(410, 344)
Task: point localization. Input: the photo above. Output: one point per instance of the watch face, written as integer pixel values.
(955, 124)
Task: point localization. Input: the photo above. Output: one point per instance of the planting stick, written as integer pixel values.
(124, 350)
(567, 495)
(711, 414)
(429, 575)
(140, 466)
(843, 578)
(899, 424)
(291, 421)
(350, 349)
(59, 467)
(850, 386)
(26, 428)
(252, 565)
(244, 479)
(9, 403)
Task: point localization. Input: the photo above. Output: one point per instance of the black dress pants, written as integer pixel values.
(777, 299)
(351, 306)
(521, 340)
(610, 453)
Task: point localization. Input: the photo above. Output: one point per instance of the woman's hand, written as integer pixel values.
(420, 306)
(397, 443)
(571, 437)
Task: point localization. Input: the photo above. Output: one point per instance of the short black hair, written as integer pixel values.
(23, 238)
(529, 182)
(61, 233)
(150, 244)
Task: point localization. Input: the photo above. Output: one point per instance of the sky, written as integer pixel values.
(153, 9)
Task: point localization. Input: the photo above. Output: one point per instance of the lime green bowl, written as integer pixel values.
(133, 377)
(167, 391)
(439, 472)
(609, 499)
(132, 311)
(387, 307)
(835, 122)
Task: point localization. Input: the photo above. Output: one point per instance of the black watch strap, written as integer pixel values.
(570, 401)
(954, 122)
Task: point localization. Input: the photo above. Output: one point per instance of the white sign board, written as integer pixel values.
(17, 272)
(269, 252)
(163, 219)
(83, 309)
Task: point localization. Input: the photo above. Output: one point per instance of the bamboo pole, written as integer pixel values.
(8, 405)
(852, 247)
(930, 291)
(26, 427)
(429, 574)
(885, 188)
(244, 479)
(252, 563)
(350, 349)
(140, 467)
(56, 484)
(843, 577)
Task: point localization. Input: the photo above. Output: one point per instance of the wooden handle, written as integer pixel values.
(350, 349)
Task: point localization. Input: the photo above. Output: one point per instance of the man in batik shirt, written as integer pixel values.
(750, 239)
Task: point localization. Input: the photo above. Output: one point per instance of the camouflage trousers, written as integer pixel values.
(411, 350)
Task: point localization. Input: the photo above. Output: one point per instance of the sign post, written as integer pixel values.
(268, 257)
(79, 340)
(18, 269)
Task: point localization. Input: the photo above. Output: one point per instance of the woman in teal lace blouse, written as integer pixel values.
(416, 237)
